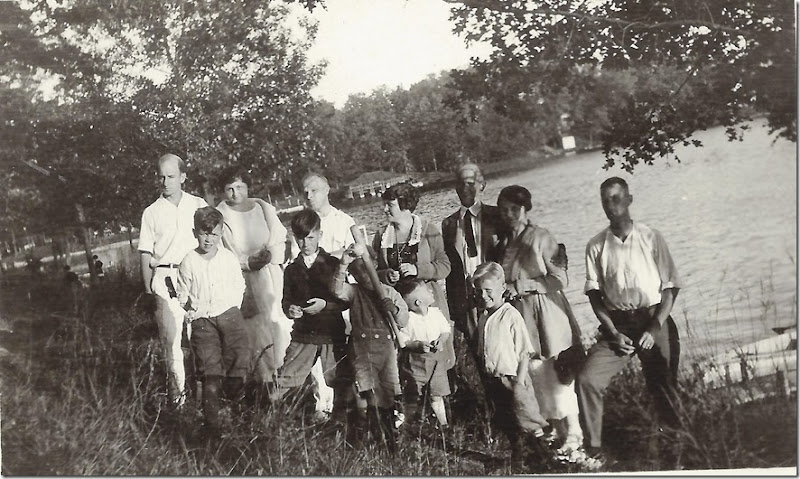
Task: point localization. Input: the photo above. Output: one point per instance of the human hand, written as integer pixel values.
(511, 292)
(389, 306)
(648, 339)
(418, 346)
(520, 381)
(408, 269)
(295, 312)
(394, 276)
(622, 344)
(315, 305)
(560, 259)
(190, 315)
(352, 252)
(258, 260)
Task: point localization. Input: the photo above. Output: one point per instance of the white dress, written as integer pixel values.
(246, 233)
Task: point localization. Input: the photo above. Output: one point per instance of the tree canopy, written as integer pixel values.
(694, 64)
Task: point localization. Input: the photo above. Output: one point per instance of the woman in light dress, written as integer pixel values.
(253, 232)
(536, 275)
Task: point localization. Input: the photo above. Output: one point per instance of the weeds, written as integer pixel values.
(86, 395)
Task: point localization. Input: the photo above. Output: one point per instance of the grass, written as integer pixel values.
(85, 395)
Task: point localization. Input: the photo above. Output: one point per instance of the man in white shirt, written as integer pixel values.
(632, 283)
(336, 237)
(165, 238)
(470, 236)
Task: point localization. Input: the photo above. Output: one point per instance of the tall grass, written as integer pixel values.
(85, 395)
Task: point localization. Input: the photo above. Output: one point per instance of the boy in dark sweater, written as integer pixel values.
(318, 330)
(373, 345)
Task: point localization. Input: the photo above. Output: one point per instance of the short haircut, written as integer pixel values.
(304, 222)
(231, 174)
(405, 193)
(313, 174)
(516, 194)
(406, 286)
(470, 167)
(614, 180)
(170, 157)
(206, 219)
(489, 271)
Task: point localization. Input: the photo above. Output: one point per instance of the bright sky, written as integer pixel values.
(369, 43)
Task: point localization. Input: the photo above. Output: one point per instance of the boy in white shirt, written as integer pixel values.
(421, 363)
(214, 284)
(504, 353)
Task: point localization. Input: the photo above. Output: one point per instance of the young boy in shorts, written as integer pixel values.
(422, 366)
(372, 349)
(504, 352)
(318, 330)
(214, 287)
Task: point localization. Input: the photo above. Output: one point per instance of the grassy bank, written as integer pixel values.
(84, 394)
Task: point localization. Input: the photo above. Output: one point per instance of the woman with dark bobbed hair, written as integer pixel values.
(253, 232)
(411, 246)
(536, 274)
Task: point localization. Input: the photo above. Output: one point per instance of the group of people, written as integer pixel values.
(372, 327)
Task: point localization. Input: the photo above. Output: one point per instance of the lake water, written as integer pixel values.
(728, 212)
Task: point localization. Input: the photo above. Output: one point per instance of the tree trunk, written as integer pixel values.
(87, 245)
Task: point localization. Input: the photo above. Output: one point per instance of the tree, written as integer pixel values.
(724, 59)
(215, 82)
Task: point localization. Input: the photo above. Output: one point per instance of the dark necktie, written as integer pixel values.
(472, 248)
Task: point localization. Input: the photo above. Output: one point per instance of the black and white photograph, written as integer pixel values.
(398, 237)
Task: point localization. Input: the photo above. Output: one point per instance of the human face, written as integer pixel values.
(170, 178)
(236, 192)
(468, 187)
(316, 193)
(512, 214)
(310, 243)
(490, 293)
(209, 240)
(419, 300)
(616, 202)
(392, 210)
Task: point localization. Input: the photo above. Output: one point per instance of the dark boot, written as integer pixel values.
(388, 429)
(357, 427)
(233, 389)
(212, 386)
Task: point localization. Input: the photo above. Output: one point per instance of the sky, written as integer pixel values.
(370, 43)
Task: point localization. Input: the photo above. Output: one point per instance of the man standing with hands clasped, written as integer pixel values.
(632, 283)
(165, 238)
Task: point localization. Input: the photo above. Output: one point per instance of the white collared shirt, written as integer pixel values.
(630, 274)
(309, 260)
(470, 264)
(166, 230)
(424, 328)
(504, 341)
(213, 285)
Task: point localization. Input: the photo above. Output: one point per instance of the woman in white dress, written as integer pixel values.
(253, 232)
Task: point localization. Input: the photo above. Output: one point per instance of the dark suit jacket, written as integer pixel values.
(459, 294)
